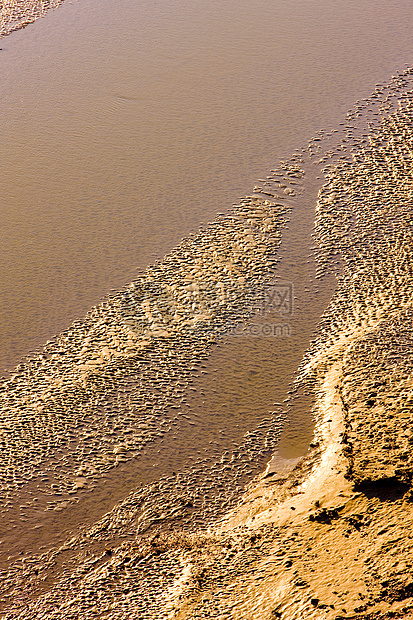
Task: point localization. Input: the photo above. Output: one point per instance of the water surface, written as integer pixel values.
(124, 125)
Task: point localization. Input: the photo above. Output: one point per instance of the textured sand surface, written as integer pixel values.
(337, 543)
(16, 14)
(95, 398)
(331, 539)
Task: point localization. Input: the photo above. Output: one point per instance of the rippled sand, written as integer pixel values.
(334, 539)
(331, 539)
(114, 384)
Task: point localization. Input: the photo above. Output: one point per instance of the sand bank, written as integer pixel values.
(77, 414)
(334, 539)
(312, 545)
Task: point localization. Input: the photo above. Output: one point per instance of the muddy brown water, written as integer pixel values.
(124, 126)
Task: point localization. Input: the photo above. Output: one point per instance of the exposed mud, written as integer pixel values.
(333, 540)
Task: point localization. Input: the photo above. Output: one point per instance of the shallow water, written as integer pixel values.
(123, 125)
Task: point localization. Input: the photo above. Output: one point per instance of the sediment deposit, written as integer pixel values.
(106, 387)
(331, 539)
(106, 390)
(334, 540)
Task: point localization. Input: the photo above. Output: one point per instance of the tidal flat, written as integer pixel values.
(137, 481)
(326, 537)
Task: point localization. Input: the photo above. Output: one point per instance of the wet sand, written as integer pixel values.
(333, 538)
(328, 536)
(84, 421)
(105, 164)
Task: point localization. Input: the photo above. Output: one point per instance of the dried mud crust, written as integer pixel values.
(16, 14)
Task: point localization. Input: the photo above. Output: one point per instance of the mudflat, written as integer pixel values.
(331, 538)
(334, 538)
(327, 537)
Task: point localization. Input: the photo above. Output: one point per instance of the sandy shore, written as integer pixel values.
(15, 14)
(329, 537)
(334, 538)
(311, 545)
